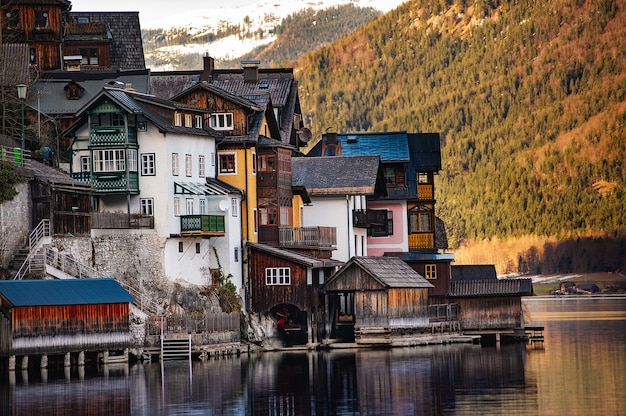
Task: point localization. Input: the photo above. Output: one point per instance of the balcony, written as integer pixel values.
(202, 226)
(111, 135)
(308, 237)
(421, 240)
(115, 220)
(367, 218)
(425, 192)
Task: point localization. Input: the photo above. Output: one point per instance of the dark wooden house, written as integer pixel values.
(287, 285)
(373, 299)
(39, 24)
(486, 303)
(40, 317)
(57, 197)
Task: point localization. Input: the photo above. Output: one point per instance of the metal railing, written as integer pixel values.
(34, 238)
(68, 265)
(14, 154)
(200, 323)
(307, 236)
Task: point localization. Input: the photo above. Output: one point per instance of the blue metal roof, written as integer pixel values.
(391, 147)
(63, 292)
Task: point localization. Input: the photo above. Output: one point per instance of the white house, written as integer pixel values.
(151, 163)
(338, 188)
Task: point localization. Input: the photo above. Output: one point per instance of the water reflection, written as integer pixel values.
(580, 371)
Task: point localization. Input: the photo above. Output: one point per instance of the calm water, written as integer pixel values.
(580, 370)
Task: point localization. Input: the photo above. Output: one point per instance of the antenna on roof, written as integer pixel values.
(304, 134)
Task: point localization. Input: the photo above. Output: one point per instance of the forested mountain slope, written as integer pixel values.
(529, 95)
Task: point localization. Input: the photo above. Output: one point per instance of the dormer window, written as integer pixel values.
(222, 121)
(198, 121)
(73, 91)
(178, 119)
(42, 20)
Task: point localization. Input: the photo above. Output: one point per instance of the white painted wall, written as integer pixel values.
(336, 211)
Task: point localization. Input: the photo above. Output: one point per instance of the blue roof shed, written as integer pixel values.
(63, 292)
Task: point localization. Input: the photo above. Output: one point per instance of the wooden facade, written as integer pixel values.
(39, 24)
(490, 313)
(376, 295)
(301, 297)
(59, 198)
(61, 316)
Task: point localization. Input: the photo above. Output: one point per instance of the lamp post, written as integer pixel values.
(21, 94)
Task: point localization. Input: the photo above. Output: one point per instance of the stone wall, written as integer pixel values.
(134, 257)
(15, 223)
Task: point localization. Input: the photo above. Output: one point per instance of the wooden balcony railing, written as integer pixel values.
(422, 240)
(425, 191)
(202, 225)
(315, 237)
(112, 135)
(109, 181)
(115, 220)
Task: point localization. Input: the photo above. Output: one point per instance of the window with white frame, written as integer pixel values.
(178, 119)
(85, 164)
(277, 276)
(176, 206)
(148, 164)
(175, 164)
(201, 166)
(188, 120)
(198, 121)
(212, 158)
(431, 271)
(227, 163)
(112, 160)
(132, 160)
(147, 206)
(202, 206)
(234, 207)
(189, 203)
(188, 163)
(221, 121)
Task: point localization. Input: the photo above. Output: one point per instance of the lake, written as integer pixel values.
(580, 369)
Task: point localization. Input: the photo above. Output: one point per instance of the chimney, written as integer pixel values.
(250, 70)
(331, 146)
(209, 66)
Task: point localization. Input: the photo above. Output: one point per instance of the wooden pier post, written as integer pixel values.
(25, 362)
(44, 361)
(67, 362)
(12, 363)
(81, 359)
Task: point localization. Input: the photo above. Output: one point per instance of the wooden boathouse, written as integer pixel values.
(77, 319)
(376, 299)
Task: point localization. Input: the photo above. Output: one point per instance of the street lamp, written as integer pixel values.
(21, 94)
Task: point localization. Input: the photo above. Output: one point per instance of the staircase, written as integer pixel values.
(40, 259)
(175, 348)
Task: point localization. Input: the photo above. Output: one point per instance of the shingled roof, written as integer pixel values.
(498, 287)
(14, 68)
(473, 272)
(355, 175)
(126, 45)
(390, 272)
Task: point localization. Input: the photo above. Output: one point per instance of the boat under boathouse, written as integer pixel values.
(76, 319)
